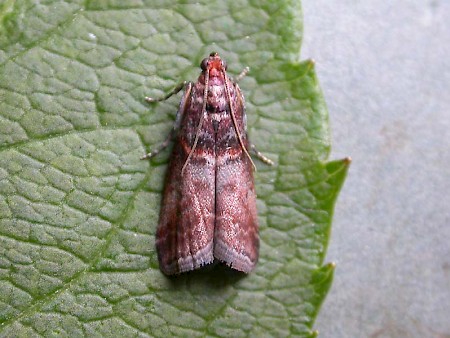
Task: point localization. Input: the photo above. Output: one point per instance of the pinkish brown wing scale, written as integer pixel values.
(236, 240)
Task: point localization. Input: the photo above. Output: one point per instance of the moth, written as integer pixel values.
(208, 209)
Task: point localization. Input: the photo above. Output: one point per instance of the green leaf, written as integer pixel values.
(78, 209)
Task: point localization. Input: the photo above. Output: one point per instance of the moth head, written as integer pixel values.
(213, 64)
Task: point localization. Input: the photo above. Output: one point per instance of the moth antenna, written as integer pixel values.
(235, 122)
(200, 123)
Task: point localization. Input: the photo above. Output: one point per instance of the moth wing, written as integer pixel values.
(184, 238)
(236, 239)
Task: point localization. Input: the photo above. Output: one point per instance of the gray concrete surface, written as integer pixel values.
(385, 71)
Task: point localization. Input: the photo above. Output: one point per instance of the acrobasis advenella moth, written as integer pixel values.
(208, 209)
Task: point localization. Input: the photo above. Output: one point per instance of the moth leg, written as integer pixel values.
(259, 155)
(187, 91)
(162, 146)
(241, 74)
(169, 94)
